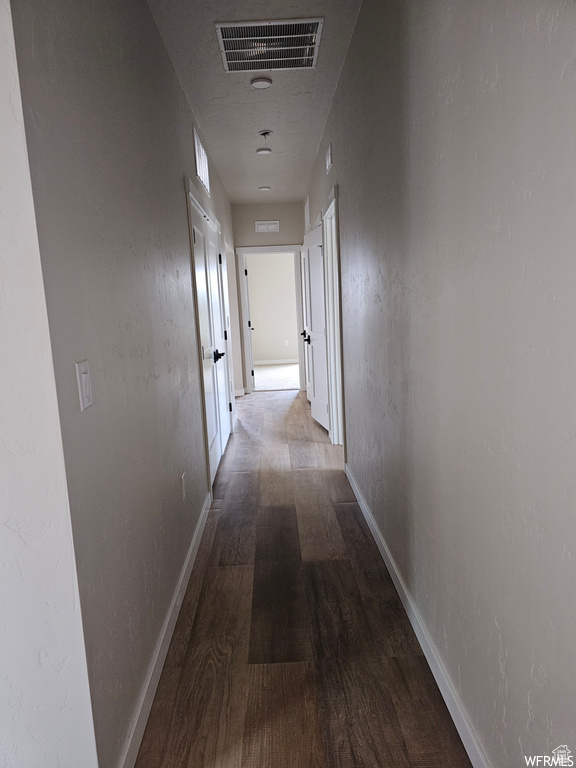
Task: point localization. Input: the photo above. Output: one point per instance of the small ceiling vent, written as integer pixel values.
(248, 46)
(267, 226)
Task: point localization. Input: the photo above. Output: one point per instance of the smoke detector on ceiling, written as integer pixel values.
(252, 46)
(261, 83)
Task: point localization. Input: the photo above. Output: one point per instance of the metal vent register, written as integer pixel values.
(265, 45)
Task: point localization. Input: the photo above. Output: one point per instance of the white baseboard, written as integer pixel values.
(447, 689)
(239, 392)
(148, 691)
(276, 362)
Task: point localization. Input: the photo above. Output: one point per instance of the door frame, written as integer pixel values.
(223, 266)
(244, 305)
(192, 202)
(225, 420)
(245, 324)
(300, 317)
(328, 219)
(333, 297)
(318, 378)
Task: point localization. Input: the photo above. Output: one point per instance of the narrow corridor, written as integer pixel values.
(292, 648)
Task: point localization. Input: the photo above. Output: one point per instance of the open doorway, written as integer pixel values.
(271, 282)
(319, 332)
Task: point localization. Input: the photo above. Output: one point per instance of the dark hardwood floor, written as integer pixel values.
(292, 648)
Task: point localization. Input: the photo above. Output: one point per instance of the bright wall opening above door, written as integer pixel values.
(201, 158)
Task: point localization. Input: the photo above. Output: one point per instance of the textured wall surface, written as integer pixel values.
(45, 715)
(272, 286)
(290, 216)
(110, 140)
(453, 132)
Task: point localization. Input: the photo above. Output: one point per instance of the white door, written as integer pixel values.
(246, 324)
(317, 354)
(224, 292)
(210, 332)
(306, 313)
(218, 336)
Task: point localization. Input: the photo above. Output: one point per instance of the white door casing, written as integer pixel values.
(244, 303)
(214, 446)
(224, 290)
(245, 324)
(300, 318)
(218, 328)
(319, 397)
(206, 282)
(333, 322)
(306, 314)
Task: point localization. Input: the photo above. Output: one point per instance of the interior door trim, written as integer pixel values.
(246, 250)
(194, 196)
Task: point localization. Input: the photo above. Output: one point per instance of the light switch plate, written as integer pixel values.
(84, 384)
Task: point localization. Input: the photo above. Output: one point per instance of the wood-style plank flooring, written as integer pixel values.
(292, 648)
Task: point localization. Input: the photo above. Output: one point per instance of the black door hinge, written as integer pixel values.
(230, 405)
(225, 335)
(249, 324)
(219, 258)
(246, 272)
(252, 373)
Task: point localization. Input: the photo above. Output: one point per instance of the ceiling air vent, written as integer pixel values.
(256, 46)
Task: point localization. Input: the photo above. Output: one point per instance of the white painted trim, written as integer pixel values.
(305, 384)
(195, 197)
(247, 250)
(333, 322)
(300, 318)
(191, 206)
(148, 690)
(457, 711)
(244, 314)
(285, 361)
(244, 307)
(239, 392)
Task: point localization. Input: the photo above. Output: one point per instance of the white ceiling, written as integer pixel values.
(230, 113)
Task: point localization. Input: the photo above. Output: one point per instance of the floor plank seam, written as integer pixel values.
(293, 649)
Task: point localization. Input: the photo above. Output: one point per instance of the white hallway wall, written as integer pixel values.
(453, 146)
(271, 283)
(45, 714)
(290, 216)
(110, 139)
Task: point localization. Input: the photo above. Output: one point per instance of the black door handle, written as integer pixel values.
(218, 355)
(307, 339)
(303, 334)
